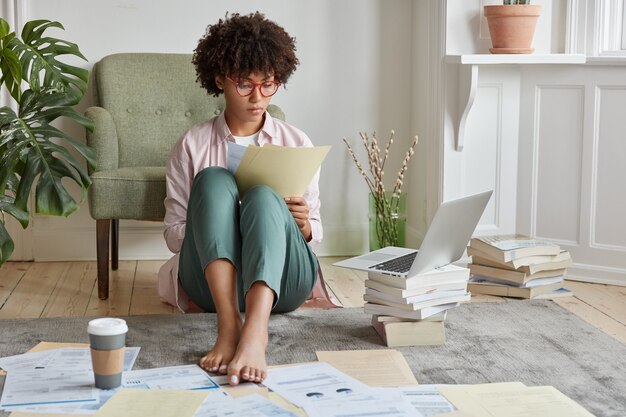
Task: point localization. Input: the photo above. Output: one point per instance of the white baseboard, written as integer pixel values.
(597, 274)
(80, 245)
(147, 243)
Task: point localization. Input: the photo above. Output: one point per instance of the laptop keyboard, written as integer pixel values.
(401, 264)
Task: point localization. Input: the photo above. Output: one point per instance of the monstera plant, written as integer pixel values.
(33, 152)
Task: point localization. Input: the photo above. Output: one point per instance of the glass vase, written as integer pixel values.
(387, 220)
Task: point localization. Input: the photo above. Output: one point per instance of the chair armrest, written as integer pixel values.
(103, 139)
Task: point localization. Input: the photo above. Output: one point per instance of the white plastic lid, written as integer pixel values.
(107, 326)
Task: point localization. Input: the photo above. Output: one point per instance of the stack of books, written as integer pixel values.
(517, 266)
(410, 311)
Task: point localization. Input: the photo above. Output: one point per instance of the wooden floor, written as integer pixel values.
(57, 289)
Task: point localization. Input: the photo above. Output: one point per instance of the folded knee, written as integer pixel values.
(215, 178)
(261, 196)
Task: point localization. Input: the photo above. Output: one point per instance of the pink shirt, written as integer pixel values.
(204, 145)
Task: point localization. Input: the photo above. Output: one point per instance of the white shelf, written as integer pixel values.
(495, 59)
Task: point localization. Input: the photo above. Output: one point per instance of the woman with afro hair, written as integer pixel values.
(237, 254)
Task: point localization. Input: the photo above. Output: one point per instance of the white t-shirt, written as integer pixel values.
(248, 140)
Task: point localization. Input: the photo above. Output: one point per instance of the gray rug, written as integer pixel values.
(535, 342)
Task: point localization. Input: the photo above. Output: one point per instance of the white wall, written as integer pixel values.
(355, 75)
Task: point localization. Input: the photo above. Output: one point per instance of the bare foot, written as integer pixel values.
(249, 363)
(228, 335)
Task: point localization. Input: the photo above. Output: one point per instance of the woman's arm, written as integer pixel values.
(178, 180)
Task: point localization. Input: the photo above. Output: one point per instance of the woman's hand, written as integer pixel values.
(300, 211)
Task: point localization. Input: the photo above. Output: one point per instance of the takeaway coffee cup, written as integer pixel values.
(107, 337)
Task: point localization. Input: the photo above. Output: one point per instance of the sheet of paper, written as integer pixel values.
(287, 170)
(529, 402)
(376, 368)
(65, 409)
(459, 397)
(47, 387)
(235, 153)
(379, 402)
(255, 405)
(66, 358)
(426, 399)
(184, 377)
(50, 345)
(153, 403)
(55, 345)
(272, 396)
(313, 383)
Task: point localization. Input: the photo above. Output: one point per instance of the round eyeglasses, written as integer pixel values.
(246, 87)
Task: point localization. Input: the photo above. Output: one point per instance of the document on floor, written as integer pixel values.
(253, 405)
(153, 403)
(376, 367)
(498, 400)
(313, 383)
(381, 402)
(184, 377)
(427, 400)
(68, 359)
(42, 386)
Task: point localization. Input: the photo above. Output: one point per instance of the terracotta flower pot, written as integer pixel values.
(512, 27)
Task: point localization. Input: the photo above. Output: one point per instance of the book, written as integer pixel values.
(529, 264)
(399, 292)
(370, 308)
(558, 293)
(506, 248)
(442, 275)
(419, 305)
(410, 333)
(529, 284)
(512, 275)
(432, 295)
(490, 288)
(441, 316)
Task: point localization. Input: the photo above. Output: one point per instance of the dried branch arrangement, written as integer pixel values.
(385, 202)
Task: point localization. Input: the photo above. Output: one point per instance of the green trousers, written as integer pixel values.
(258, 235)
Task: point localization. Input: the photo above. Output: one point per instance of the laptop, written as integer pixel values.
(444, 242)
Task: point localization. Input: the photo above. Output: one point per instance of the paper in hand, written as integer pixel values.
(287, 170)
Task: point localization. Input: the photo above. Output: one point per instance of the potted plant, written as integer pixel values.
(512, 26)
(33, 152)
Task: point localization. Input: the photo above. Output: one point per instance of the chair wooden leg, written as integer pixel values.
(115, 243)
(102, 248)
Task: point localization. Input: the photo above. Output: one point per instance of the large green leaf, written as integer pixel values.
(39, 152)
(7, 205)
(6, 244)
(40, 67)
(10, 70)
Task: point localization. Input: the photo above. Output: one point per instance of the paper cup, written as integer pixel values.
(107, 337)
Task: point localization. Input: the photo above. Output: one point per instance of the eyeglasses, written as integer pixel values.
(246, 87)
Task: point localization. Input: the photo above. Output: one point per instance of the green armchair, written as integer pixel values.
(143, 104)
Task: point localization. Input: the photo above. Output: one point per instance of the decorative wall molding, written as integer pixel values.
(593, 220)
(539, 112)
